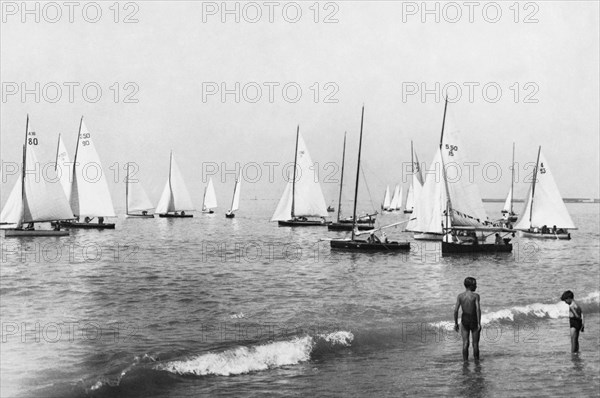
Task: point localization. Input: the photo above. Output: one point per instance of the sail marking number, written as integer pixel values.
(542, 169)
(451, 149)
(85, 137)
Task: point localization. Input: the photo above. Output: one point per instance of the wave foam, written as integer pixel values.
(256, 358)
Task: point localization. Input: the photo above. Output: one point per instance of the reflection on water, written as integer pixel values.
(473, 383)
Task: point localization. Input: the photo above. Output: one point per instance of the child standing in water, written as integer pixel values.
(471, 317)
(575, 319)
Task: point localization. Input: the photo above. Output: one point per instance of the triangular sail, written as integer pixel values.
(548, 206)
(12, 212)
(175, 196)
(396, 201)
(309, 200)
(427, 214)
(210, 197)
(386, 198)
(465, 200)
(414, 190)
(90, 196)
(235, 203)
(508, 201)
(137, 198)
(64, 167)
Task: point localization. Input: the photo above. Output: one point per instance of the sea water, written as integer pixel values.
(242, 307)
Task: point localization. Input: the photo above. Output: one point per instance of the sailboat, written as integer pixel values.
(373, 243)
(90, 196)
(426, 219)
(61, 167)
(235, 201)
(175, 199)
(33, 199)
(466, 224)
(209, 200)
(396, 202)
(507, 211)
(347, 224)
(387, 201)
(414, 190)
(303, 198)
(136, 199)
(544, 214)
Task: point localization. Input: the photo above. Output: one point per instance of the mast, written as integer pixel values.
(357, 172)
(341, 179)
(295, 165)
(412, 157)
(535, 171)
(204, 197)
(170, 187)
(57, 149)
(448, 201)
(127, 191)
(75, 162)
(512, 181)
(23, 171)
(234, 189)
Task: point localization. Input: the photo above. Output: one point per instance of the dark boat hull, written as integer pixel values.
(229, 215)
(33, 232)
(539, 235)
(454, 248)
(167, 215)
(360, 221)
(363, 245)
(87, 225)
(298, 223)
(408, 211)
(348, 227)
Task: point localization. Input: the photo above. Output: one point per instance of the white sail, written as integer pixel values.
(548, 206)
(386, 198)
(309, 200)
(210, 197)
(465, 199)
(508, 201)
(90, 196)
(12, 212)
(427, 216)
(44, 201)
(400, 194)
(137, 198)
(235, 204)
(414, 190)
(175, 196)
(64, 167)
(396, 201)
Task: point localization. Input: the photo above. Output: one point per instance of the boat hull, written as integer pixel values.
(139, 216)
(167, 215)
(458, 248)
(33, 232)
(539, 235)
(299, 223)
(360, 221)
(230, 215)
(363, 245)
(207, 212)
(87, 225)
(408, 211)
(334, 226)
(427, 236)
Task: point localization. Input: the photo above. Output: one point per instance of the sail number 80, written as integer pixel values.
(32, 141)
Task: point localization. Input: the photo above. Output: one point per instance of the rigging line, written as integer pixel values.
(369, 192)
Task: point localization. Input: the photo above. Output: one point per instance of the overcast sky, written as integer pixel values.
(376, 54)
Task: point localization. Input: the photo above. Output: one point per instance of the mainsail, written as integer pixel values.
(396, 202)
(235, 203)
(175, 196)
(386, 198)
(305, 195)
(137, 199)
(544, 205)
(90, 196)
(210, 197)
(508, 202)
(63, 167)
(466, 206)
(414, 190)
(427, 213)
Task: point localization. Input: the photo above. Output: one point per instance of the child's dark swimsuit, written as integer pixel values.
(469, 321)
(575, 323)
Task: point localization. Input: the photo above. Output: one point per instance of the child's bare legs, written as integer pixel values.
(465, 338)
(574, 340)
(476, 334)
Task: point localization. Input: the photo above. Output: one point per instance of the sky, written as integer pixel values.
(162, 68)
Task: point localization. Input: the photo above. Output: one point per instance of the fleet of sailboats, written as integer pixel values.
(302, 202)
(442, 207)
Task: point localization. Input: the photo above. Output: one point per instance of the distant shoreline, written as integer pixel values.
(566, 200)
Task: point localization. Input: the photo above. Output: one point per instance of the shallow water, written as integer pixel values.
(242, 307)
